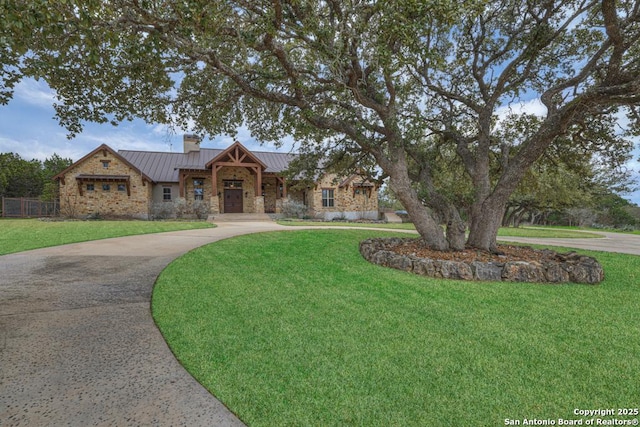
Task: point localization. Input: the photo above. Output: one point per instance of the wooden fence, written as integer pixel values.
(28, 208)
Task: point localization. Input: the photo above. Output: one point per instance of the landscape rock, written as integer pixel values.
(487, 270)
(424, 267)
(522, 271)
(400, 262)
(456, 270)
(557, 273)
(551, 267)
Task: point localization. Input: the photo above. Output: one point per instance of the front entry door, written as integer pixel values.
(232, 201)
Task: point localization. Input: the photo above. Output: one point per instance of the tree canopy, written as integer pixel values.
(30, 178)
(399, 84)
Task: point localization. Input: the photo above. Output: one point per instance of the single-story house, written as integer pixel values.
(129, 183)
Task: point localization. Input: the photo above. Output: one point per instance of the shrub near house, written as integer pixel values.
(202, 181)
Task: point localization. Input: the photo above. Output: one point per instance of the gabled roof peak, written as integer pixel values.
(105, 149)
(236, 154)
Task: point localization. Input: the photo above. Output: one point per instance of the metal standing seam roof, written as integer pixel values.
(164, 167)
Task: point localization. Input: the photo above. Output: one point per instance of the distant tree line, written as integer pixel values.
(608, 210)
(557, 192)
(30, 178)
(603, 210)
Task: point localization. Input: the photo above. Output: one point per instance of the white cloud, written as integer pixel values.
(30, 148)
(533, 106)
(36, 93)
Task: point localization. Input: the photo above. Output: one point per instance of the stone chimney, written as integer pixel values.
(191, 143)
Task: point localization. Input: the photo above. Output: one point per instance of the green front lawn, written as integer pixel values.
(502, 232)
(390, 226)
(540, 232)
(297, 328)
(18, 235)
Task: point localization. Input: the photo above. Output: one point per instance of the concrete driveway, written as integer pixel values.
(78, 345)
(610, 242)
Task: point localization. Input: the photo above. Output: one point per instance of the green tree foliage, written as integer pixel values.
(614, 211)
(402, 84)
(565, 183)
(51, 167)
(19, 177)
(30, 178)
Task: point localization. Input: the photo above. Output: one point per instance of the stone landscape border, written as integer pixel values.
(553, 268)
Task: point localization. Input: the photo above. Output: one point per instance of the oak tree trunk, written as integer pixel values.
(456, 229)
(427, 227)
(484, 223)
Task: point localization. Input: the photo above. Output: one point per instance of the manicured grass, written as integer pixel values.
(610, 230)
(18, 235)
(296, 328)
(390, 226)
(503, 232)
(545, 232)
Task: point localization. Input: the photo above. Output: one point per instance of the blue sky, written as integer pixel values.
(27, 127)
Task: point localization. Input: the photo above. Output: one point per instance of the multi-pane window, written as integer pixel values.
(327, 197)
(106, 187)
(105, 164)
(198, 189)
(90, 187)
(166, 193)
(122, 187)
(232, 184)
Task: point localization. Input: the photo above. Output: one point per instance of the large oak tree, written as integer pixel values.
(395, 82)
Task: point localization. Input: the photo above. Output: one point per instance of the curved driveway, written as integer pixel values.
(610, 242)
(78, 345)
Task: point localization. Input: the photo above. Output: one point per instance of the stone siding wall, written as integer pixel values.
(101, 202)
(189, 188)
(349, 202)
(270, 184)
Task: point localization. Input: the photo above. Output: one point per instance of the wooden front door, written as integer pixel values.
(233, 201)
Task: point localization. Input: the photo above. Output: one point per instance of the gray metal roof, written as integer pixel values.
(163, 167)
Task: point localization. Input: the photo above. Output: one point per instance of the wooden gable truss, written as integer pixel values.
(237, 155)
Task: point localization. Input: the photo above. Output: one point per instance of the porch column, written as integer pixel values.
(281, 180)
(214, 180)
(258, 200)
(181, 181)
(215, 200)
(258, 181)
(259, 204)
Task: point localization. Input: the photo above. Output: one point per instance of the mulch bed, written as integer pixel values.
(510, 253)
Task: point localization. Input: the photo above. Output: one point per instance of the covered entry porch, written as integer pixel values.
(241, 184)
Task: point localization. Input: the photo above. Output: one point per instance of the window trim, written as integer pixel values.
(166, 193)
(237, 184)
(328, 198)
(198, 188)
